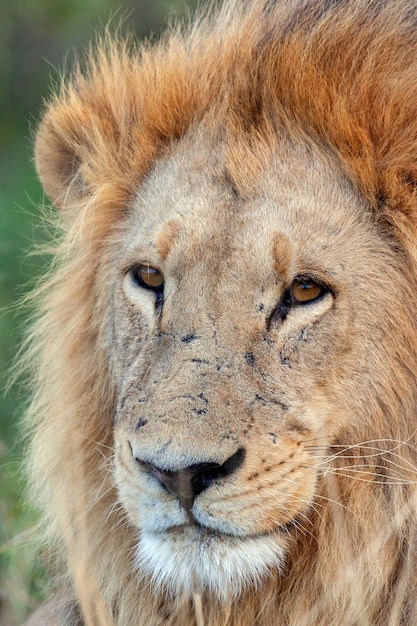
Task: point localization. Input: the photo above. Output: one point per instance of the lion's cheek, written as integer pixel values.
(258, 507)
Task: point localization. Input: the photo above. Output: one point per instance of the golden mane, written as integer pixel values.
(337, 74)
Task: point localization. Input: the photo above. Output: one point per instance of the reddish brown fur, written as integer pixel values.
(282, 254)
(340, 75)
(166, 237)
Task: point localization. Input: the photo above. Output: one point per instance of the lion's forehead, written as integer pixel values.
(195, 219)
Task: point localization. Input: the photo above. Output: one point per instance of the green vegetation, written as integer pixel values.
(20, 192)
(37, 38)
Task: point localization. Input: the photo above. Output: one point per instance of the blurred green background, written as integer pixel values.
(37, 38)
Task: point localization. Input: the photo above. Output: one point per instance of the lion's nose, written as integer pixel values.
(186, 484)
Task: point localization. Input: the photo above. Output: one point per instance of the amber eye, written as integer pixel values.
(305, 290)
(148, 277)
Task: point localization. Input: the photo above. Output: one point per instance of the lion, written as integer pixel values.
(224, 364)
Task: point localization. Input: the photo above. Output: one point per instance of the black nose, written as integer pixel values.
(186, 484)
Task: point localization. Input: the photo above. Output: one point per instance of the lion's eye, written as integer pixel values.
(148, 277)
(304, 290)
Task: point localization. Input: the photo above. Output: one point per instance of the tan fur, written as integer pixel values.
(269, 141)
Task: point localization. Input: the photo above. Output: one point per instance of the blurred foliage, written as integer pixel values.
(36, 40)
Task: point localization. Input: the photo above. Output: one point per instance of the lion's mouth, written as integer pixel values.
(201, 532)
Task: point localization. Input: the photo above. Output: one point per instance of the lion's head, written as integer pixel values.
(224, 427)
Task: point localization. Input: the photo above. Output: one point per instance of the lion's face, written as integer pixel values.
(224, 363)
(243, 327)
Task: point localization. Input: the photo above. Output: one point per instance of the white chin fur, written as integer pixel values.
(187, 561)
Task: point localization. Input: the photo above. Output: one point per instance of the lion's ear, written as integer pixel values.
(83, 133)
(62, 157)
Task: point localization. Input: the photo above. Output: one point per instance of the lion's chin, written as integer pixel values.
(186, 561)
